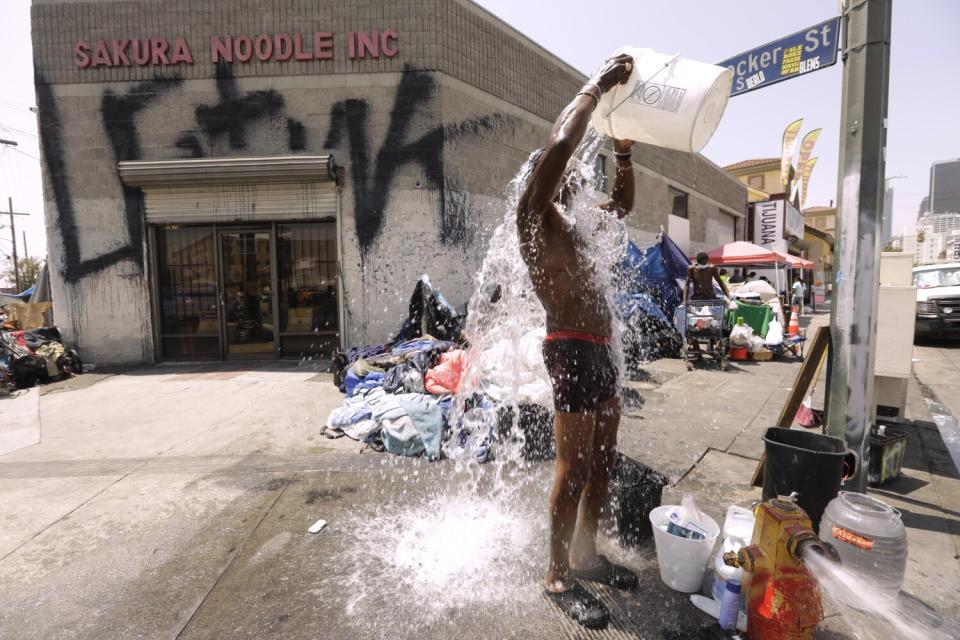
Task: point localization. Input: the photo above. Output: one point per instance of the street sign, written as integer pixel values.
(801, 52)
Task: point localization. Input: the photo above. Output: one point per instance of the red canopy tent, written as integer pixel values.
(796, 262)
(742, 253)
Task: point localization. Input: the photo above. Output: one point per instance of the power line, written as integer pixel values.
(29, 155)
(21, 131)
(16, 102)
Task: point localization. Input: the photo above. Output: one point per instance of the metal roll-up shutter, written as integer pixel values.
(235, 189)
(240, 202)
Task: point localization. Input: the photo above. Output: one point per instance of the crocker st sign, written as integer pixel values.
(281, 47)
(799, 53)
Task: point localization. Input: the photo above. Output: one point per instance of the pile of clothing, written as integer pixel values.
(398, 397)
(39, 355)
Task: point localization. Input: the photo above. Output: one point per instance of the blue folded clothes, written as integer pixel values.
(353, 410)
(370, 381)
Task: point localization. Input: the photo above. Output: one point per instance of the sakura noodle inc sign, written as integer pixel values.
(280, 47)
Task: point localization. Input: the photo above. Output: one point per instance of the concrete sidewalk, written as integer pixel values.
(173, 501)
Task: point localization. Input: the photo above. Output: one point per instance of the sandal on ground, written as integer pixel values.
(610, 574)
(581, 606)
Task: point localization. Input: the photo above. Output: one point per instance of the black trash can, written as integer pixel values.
(807, 462)
(635, 491)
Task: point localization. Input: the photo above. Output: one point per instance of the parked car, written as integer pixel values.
(938, 300)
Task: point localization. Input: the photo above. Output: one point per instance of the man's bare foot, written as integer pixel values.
(554, 584)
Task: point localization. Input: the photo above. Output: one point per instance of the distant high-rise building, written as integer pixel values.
(945, 186)
(924, 207)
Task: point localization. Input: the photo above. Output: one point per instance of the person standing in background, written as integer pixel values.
(799, 290)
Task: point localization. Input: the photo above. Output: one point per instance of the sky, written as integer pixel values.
(924, 92)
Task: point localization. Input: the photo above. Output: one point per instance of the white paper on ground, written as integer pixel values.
(317, 526)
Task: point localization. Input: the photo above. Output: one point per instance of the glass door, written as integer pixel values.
(247, 295)
(186, 305)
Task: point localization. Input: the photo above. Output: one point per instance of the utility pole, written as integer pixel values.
(13, 237)
(866, 66)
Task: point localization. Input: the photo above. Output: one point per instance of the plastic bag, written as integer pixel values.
(808, 417)
(755, 344)
(740, 335)
(774, 333)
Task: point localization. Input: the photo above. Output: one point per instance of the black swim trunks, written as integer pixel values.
(582, 369)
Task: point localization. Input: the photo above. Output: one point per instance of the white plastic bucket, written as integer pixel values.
(668, 101)
(682, 561)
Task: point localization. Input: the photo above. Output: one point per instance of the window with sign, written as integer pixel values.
(678, 202)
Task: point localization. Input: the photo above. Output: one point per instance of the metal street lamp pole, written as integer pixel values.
(866, 56)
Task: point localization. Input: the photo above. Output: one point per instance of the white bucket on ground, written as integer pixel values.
(682, 561)
(668, 101)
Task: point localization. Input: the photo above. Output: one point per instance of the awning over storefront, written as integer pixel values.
(210, 171)
(742, 253)
(253, 189)
(796, 262)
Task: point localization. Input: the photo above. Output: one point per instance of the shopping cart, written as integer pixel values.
(705, 332)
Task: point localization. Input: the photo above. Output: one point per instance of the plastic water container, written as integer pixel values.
(869, 537)
(737, 533)
(682, 561)
(667, 101)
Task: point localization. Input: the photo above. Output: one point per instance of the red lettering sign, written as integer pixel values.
(284, 47)
(390, 49)
(323, 45)
(280, 47)
(221, 49)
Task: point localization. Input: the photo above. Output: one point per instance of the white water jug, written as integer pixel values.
(667, 101)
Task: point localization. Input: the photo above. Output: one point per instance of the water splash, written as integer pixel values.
(506, 322)
(480, 537)
(871, 611)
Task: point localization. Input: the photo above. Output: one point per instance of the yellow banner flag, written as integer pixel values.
(786, 160)
(805, 178)
(806, 149)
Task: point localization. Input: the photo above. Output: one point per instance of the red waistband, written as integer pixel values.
(578, 335)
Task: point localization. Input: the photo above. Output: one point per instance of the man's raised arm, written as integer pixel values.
(621, 198)
(566, 135)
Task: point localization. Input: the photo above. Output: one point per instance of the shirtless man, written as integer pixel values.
(703, 275)
(577, 352)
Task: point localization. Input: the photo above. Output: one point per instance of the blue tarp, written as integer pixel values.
(650, 290)
(655, 271)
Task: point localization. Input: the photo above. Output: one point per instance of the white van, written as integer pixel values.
(938, 299)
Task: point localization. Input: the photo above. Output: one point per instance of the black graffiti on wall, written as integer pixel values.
(372, 181)
(119, 114)
(373, 173)
(234, 113)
